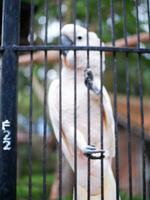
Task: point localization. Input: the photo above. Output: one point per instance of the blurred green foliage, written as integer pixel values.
(124, 196)
(37, 169)
(37, 185)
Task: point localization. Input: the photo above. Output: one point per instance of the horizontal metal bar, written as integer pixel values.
(92, 48)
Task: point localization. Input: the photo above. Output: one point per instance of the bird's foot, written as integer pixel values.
(88, 78)
(91, 152)
(89, 81)
(89, 149)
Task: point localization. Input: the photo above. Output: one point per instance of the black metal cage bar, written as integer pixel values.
(8, 101)
(75, 104)
(44, 163)
(141, 103)
(60, 102)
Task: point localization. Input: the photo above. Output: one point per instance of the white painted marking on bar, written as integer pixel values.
(7, 135)
(5, 124)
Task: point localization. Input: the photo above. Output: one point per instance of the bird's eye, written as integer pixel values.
(79, 37)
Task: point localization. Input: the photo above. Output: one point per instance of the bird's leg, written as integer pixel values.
(88, 150)
(81, 142)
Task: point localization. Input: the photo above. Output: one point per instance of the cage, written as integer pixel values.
(32, 166)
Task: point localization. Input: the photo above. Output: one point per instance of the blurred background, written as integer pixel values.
(34, 68)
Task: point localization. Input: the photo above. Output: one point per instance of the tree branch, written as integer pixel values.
(53, 56)
(39, 57)
(131, 41)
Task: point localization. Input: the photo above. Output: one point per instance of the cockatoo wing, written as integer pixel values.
(108, 121)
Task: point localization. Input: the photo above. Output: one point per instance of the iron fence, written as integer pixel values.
(11, 49)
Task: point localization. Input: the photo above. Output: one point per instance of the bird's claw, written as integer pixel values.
(89, 149)
(88, 73)
(91, 152)
(88, 78)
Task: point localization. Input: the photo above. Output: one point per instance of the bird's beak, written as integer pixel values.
(66, 41)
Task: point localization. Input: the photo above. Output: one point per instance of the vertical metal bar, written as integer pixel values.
(32, 22)
(75, 104)
(141, 104)
(8, 107)
(129, 128)
(116, 127)
(60, 105)
(148, 14)
(112, 21)
(124, 21)
(88, 104)
(142, 127)
(101, 98)
(141, 107)
(137, 23)
(30, 129)
(100, 20)
(128, 103)
(115, 102)
(30, 103)
(101, 127)
(44, 163)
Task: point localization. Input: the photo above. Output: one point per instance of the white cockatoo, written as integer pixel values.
(67, 133)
